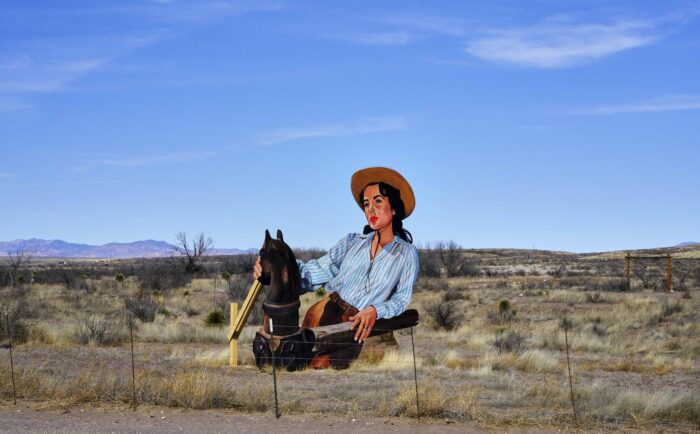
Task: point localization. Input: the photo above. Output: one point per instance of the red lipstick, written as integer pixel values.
(373, 219)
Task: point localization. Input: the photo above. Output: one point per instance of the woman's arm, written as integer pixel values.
(320, 271)
(404, 289)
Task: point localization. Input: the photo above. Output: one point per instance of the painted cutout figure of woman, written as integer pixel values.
(370, 275)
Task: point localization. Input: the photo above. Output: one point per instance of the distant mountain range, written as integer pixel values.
(137, 249)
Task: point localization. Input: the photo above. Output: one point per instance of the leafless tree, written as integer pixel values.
(192, 253)
(13, 264)
(450, 254)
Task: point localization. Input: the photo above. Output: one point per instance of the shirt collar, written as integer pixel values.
(397, 239)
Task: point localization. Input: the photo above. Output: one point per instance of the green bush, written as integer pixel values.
(215, 318)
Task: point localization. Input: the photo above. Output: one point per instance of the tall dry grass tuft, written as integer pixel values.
(683, 406)
(393, 359)
(538, 361)
(184, 388)
(169, 332)
(435, 402)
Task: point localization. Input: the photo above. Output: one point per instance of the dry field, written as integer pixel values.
(497, 359)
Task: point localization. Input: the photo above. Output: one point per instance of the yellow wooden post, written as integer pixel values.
(233, 352)
(668, 272)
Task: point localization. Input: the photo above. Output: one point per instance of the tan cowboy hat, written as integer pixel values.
(383, 174)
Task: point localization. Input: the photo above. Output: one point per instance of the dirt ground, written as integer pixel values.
(26, 419)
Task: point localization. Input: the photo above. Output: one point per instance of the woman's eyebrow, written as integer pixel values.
(376, 196)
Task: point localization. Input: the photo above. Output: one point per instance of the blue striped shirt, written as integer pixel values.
(347, 270)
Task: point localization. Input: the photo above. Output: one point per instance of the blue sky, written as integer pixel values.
(554, 125)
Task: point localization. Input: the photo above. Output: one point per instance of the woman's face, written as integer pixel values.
(377, 209)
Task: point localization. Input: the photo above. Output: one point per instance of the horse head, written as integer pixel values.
(280, 270)
(280, 273)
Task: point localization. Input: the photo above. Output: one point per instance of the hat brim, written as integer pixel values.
(370, 175)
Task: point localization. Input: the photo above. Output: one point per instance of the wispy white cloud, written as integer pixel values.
(364, 126)
(64, 183)
(5, 175)
(561, 43)
(47, 75)
(46, 64)
(380, 39)
(429, 24)
(143, 160)
(13, 104)
(661, 104)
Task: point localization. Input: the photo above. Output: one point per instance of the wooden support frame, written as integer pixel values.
(238, 320)
(669, 276)
(233, 343)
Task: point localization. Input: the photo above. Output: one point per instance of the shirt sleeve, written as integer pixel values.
(404, 289)
(318, 272)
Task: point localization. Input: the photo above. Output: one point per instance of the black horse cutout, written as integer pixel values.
(280, 273)
(295, 347)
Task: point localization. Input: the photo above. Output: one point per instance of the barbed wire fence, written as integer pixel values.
(130, 364)
(284, 385)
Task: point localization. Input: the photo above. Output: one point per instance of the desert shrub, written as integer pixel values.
(13, 318)
(239, 264)
(161, 275)
(215, 318)
(119, 277)
(236, 287)
(444, 314)
(557, 271)
(504, 314)
(468, 268)
(453, 293)
(507, 341)
(142, 307)
(571, 282)
(594, 297)
(429, 262)
(306, 255)
(492, 272)
(668, 309)
(430, 284)
(83, 283)
(97, 332)
(610, 285)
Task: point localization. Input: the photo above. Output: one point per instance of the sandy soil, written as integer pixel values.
(25, 419)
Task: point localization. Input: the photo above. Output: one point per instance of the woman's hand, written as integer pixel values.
(364, 321)
(257, 269)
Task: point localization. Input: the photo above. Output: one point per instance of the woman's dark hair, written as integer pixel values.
(394, 196)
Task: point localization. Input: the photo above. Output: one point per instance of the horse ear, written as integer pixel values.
(267, 235)
(279, 235)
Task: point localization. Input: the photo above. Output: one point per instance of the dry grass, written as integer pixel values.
(392, 360)
(635, 356)
(436, 402)
(180, 331)
(189, 389)
(665, 405)
(538, 361)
